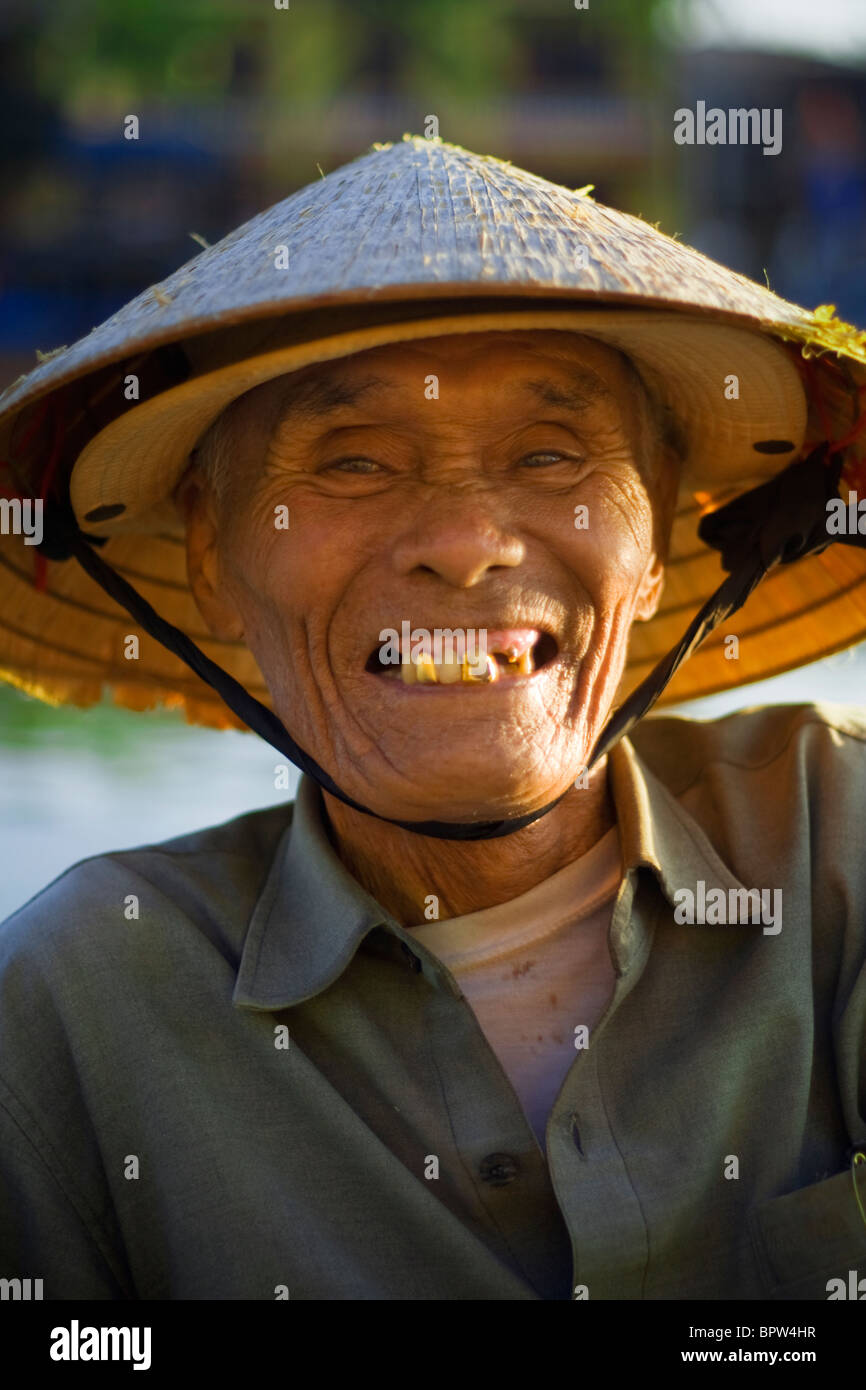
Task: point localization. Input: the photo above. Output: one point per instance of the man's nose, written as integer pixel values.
(460, 544)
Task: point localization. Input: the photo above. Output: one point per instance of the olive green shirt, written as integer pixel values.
(225, 1072)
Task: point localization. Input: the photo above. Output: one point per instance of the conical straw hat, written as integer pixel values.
(415, 240)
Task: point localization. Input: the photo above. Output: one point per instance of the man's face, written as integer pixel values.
(457, 511)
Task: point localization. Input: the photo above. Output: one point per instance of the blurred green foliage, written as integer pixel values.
(140, 45)
(29, 723)
(87, 50)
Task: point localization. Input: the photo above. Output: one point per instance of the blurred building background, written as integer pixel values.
(239, 103)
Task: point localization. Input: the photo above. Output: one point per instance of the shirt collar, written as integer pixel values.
(310, 917)
(312, 914)
(658, 833)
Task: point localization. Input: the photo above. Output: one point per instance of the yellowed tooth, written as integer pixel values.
(482, 672)
(449, 672)
(408, 672)
(426, 671)
(510, 655)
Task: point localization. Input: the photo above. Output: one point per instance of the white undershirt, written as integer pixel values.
(535, 968)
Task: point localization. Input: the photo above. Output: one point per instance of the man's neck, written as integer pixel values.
(402, 871)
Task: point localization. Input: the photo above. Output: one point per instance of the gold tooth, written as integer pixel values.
(510, 655)
(426, 671)
(482, 673)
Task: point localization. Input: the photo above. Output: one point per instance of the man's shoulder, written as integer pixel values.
(779, 791)
(210, 877)
(827, 739)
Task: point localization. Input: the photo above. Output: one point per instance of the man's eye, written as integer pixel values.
(544, 457)
(351, 465)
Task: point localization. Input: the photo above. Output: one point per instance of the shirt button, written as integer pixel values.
(498, 1169)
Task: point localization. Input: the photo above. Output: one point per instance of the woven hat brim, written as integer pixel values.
(68, 643)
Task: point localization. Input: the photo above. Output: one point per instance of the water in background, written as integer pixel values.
(79, 782)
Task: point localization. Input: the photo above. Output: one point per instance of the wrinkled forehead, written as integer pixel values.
(471, 360)
(562, 368)
(463, 351)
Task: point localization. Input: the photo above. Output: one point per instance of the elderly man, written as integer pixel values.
(508, 1004)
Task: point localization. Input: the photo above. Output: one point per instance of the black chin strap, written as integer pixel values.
(775, 523)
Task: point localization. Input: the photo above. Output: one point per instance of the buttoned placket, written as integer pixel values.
(493, 1140)
(576, 1128)
(589, 1172)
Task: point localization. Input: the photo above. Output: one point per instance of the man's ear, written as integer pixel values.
(650, 591)
(664, 507)
(195, 502)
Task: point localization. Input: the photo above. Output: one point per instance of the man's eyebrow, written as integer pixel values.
(582, 391)
(313, 397)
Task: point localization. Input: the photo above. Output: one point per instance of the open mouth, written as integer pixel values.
(509, 655)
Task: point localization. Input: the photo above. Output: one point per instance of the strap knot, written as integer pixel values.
(780, 520)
